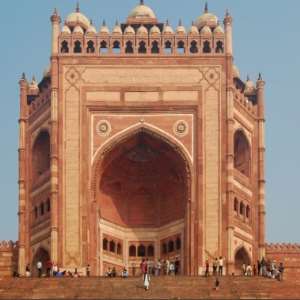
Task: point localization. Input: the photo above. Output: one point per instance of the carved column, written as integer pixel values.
(55, 19)
(261, 162)
(23, 184)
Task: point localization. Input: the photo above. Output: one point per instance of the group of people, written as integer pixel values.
(217, 267)
(270, 269)
(50, 269)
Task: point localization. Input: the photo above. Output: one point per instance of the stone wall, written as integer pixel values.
(8, 258)
(289, 255)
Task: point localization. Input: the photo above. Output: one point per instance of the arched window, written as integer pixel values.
(247, 211)
(180, 47)
(168, 47)
(105, 244)
(90, 47)
(116, 47)
(42, 209)
(103, 47)
(119, 249)
(142, 47)
(64, 47)
(164, 248)
(206, 47)
(220, 47)
(178, 243)
(141, 250)
(194, 47)
(112, 246)
(155, 47)
(77, 47)
(132, 251)
(170, 246)
(129, 47)
(241, 153)
(241, 257)
(48, 205)
(242, 208)
(150, 251)
(236, 205)
(41, 155)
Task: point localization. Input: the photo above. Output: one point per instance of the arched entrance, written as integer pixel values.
(241, 257)
(43, 256)
(142, 189)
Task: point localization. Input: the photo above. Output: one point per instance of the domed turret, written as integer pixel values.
(66, 29)
(180, 28)
(155, 30)
(206, 31)
(141, 11)
(33, 87)
(219, 30)
(104, 29)
(207, 19)
(117, 29)
(91, 29)
(129, 30)
(193, 29)
(142, 30)
(77, 18)
(78, 30)
(250, 88)
(168, 29)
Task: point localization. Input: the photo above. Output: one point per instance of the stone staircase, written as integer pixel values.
(161, 288)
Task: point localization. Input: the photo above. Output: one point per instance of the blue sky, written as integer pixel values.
(266, 39)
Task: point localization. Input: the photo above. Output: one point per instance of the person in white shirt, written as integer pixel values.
(39, 267)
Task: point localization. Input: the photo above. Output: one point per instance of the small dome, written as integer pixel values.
(142, 30)
(250, 89)
(66, 29)
(207, 19)
(168, 29)
(117, 29)
(77, 18)
(142, 11)
(78, 30)
(91, 29)
(206, 31)
(219, 30)
(129, 30)
(155, 30)
(33, 86)
(180, 28)
(235, 72)
(193, 29)
(104, 29)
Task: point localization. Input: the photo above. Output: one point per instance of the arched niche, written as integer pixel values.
(242, 153)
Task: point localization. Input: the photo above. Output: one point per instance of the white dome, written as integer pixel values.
(66, 29)
(180, 29)
(142, 30)
(78, 30)
(208, 19)
(104, 29)
(250, 89)
(117, 29)
(33, 86)
(77, 18)
(193, 29)
(206, 31)
(168, 29)
(129, 30)
(142, 11)
(235, 72)
(91, 29)
(219, 30)
(155, 30)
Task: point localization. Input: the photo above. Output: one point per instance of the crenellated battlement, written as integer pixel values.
(8, 245)
(286, 247)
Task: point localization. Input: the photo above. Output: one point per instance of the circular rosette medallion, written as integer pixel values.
(103, 128)
(181, 128)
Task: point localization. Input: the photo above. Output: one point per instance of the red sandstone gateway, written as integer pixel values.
(141, 142)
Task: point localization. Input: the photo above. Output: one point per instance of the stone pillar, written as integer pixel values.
(228, 34)
(23, 184)
(55, 19)
(260, 84)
